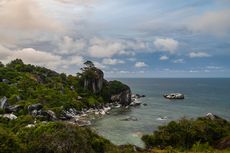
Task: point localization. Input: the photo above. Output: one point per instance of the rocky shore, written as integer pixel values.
(73, 116)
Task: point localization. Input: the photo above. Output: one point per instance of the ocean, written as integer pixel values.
(201, 97)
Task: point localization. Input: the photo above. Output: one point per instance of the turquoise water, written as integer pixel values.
(201, 97)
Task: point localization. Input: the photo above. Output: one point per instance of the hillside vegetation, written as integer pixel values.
(25, 87)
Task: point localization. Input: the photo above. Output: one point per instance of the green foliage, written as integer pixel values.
(113, 87)
(198, 147)
(1, 64)
(9, 143)
(185, 133)
(61, 138)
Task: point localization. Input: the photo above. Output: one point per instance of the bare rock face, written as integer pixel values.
(123, 98)
(95, 82)
(3, 103)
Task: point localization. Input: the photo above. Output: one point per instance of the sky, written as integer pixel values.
(124, 38)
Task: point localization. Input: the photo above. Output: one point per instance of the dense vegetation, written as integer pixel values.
(189, 134)
(25, 84)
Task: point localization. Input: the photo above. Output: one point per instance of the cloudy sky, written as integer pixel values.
(125, 38)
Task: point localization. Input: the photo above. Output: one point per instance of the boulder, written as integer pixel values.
(14, 108)
(10, 116)
(48, 115)
(174, 96)
(129, 118)
(3, 103)
(33, 107)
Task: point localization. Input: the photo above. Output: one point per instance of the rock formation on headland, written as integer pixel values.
(92, 79)
(42, 93)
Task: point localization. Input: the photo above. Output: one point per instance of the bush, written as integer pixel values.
(185, 133)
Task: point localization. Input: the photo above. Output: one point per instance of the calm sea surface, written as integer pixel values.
(201, 97)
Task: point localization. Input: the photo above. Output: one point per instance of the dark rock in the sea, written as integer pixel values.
(3, 103)
(140, 96)
(135, 103)
(35, 107)
(129, 118)
(145, 104)
(174, 96)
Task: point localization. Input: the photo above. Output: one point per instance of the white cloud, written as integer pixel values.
(104, 48)
(69, 46)
(100, 48)
(198, 54)
(214, 67)
(177, 61)
(40, 58)
(163, 58)
(32, 56)
(214, 22)
(167, 44)
(99, 65)
(140, 64)
(26, 15)
(110, 61)
(75, 60)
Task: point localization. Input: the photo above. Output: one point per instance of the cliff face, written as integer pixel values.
(124, 97)
(92, 79)
(94, 83)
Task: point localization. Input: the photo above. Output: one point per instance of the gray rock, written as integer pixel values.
(34, 107)
(129, 118)
(124, 98)
(14, 108)
(3, 103)
(174, 96)
(95, 84)
(10, 116)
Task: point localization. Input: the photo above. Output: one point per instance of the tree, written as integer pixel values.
(1, 64)
(89, 64)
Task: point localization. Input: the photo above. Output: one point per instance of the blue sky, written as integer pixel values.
(125, 38)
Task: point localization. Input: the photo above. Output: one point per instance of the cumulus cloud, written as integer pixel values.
(179, 61)
(164, 58)
(168, 44)
(40, 58)
(82, 2)
(214, 22)
(26, 15)
(140, 64)
(110, 61)
(104, 48)
(198, 54)
(69, 46)
(32, 56)
(100, 48)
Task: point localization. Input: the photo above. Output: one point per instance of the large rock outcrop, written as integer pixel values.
(124, 97)
(92, 79)
(94, 83)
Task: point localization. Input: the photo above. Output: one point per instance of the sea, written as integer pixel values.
(202, 96)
